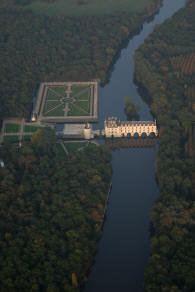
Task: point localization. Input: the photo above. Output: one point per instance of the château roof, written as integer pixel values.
(113, 122)
(123, 123)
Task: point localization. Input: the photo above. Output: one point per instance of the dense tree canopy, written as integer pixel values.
(165, 67)
(131, 109)
(37, 48)
(52, 209)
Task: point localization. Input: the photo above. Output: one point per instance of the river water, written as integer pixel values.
(124, 247)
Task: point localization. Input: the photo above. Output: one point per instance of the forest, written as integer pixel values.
(37, 48)
(52, 205)
(51, 215)
(80, 7)
(165, 69)
(131, 109)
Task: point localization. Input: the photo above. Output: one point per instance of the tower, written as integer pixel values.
(34, 117)
(88, 132)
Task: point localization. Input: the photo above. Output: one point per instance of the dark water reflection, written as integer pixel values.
(124, 247)
(119, 143)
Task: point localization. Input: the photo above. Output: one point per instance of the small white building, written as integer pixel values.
(2, 164)
(87, 132)
(78, 131)
(33, 117)
(113, 127)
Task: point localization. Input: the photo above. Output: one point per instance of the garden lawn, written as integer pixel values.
(84, 105)
(77, 89)
(12, 128)
(31, 128)
(74, 146)
(74, 111)
(59, 89)
(83, 96)
(50, 105)
(11, 139)
(58, 112)
(71, 7)
(52, 96)
(26, 137)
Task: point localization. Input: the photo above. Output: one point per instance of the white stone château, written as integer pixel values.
(115, 128)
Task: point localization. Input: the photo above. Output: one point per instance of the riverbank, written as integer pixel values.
(124, 247)
(55, 218)
(138, 25)
(47, 46)
(165, 69)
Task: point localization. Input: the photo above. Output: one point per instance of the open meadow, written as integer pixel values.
(86, 7)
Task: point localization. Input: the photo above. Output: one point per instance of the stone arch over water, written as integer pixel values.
(144, 135)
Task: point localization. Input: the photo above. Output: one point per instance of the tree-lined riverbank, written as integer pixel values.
(165, 67)
(124, 248)
(37, 48)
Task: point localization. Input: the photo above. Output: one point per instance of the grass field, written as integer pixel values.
(71, 7)
(52, 96)
(26, 137)
(79, 102)
(11, 139)
(61, 150)
(84, 105)
(50, 105)
(83, 96)
(77, 89)
(74, 111)
(12, 128)
(74, 146)
(57, 112)
(59, 89)
(31, 128)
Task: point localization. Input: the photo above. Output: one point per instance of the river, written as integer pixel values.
(124, 247)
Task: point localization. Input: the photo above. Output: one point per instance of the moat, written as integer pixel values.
(124, 247)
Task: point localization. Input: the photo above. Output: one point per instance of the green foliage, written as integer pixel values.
(26, 137)
(166, 70)
(11, 139)
(51, 214)
(78, 102)
(56, 48)
(12, 128)
(53, 105)
(84, 105)
(131, 109)
(79, 110)
(74, 146)
(43, 139)
(87, 7)
(77, 89)
(28, 128)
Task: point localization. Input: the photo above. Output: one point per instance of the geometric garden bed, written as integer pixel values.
(67, 102)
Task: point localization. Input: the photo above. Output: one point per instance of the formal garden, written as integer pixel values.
(67, 101)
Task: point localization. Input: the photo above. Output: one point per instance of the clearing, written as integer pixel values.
(87, 7)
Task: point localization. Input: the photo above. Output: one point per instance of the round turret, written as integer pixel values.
(87, 132)
(34, 118)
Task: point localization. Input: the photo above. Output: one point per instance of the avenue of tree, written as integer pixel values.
(165, 68)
